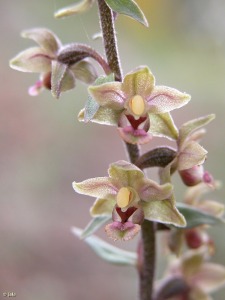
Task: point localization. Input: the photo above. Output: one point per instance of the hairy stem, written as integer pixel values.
(109, 38)
(147, 252)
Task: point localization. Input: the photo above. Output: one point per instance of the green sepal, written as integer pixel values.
(195, 217)
(128, 8)
(106, 251)
(94, 225)
(91, 106)
(162, 125)
(190, 126)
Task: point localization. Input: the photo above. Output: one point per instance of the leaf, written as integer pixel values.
(94, 225)
(106, 251)
(195, 217)
(92, 106)
(190, 126)
(128, 8)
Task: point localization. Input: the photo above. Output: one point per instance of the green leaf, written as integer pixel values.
(94, 225)
(195, 217)
(106, 251)
(92, 106)
(128, 8)
(190, 126)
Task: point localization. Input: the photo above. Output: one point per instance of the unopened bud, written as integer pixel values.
(193, 175)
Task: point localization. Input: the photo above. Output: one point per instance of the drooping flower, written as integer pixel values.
(130, 104)
(130, 198)
(191, 277)
(54, 74)
(191, 155)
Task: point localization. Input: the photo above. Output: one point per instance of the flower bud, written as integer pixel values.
(193, 175)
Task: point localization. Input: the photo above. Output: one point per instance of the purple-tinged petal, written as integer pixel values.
(100, 187)
(164, 99)
(125, 173)
(122, 231)
(109, 95)
(34, 60)
(102, 207)
(139, 82)
(45, 38)
(149, 190)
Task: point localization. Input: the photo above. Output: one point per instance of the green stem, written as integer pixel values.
(147, 253)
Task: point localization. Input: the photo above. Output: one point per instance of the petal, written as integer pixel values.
(100, 187)
(162, 125)
(34, 59)
(197, 294)
(125, 173)
(84, 71)
(209, 277)
(191, 155)
(80, 7)
(134, 136)
(104, 115)
(150, 190)
(192, 261)
(45, 38)
(163, 212)
(122, 231)
(140, 82)
(164, 99)
(102, 207)
(190, 126)
(108, 94)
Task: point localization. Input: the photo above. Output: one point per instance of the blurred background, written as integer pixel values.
(44, 148)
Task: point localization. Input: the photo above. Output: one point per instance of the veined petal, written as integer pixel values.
(164, 99)
(140, 82)
(102, 207)
(125, 173)
(209, 277)
(191, 155)
(100, 187)
(108, 94)
(80, 7)
(150, 190)
(163, 212)
(45, 38)
(34, 60)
